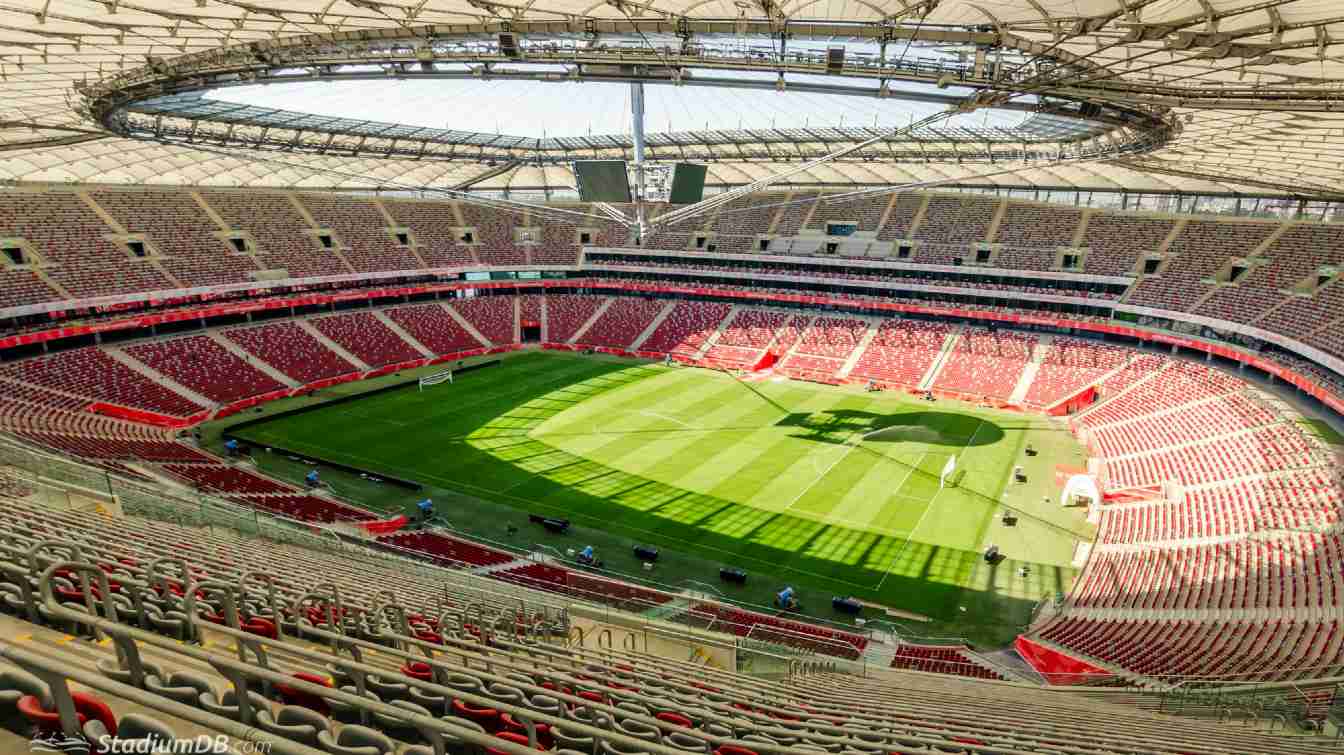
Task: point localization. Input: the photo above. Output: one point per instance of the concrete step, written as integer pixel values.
(657, 320)
(793, 347)
(668, 609)
(251, 359)
(1010, 664)
(1024, 382)
(1123, 391)
(718, 331)
(949, 345)
(158, 377)
(466, 324)
(330, 344)
(391, 324)
(517, 563)
(1038, 352)
(601, 310)
(857, 354)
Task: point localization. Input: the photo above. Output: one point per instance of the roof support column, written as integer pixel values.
(637, 128)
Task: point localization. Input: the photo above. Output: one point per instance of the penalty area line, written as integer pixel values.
(896, 559)
(850, 446)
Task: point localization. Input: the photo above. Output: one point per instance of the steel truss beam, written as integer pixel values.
(1109, 151)
(506, 205)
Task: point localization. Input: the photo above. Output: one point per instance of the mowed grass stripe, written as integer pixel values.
(873, 481)
(724, 456)
(710, 516)
(666, 454)
(780, 461)
(786, 472)
(620, 447)
(628, 407)
(795, 468)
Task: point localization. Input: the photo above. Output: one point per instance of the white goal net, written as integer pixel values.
(439, 377)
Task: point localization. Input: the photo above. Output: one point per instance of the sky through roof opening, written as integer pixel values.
(535, 109)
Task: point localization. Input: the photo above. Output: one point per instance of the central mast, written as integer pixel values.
(637, 127)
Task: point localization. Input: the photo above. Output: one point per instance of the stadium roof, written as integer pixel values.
(1204, 96)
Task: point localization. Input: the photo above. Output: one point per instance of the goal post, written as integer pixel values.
(445, 376)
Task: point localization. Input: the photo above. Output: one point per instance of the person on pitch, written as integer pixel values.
(587, 556)
(312, 478)
(426, 508)
(786, 599)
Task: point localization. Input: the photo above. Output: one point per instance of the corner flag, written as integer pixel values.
(948, 469)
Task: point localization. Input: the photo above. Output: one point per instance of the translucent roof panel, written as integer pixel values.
(1252, 92)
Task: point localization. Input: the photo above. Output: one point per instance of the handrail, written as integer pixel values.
(239, 672)
(58, 676)
(272, 599)
(510, 683)
(52, 544)
(350, 643)
(763, 722)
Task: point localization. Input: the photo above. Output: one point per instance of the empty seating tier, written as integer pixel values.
(940, 659)
(434, 226)
(985, 364)
(1198, 252)
(902, 351)
(1071, 365)
(279, 232)
(565, 315)
(560, 237)
(492, 232)
(737, 226)
(530, 307)
(864, 213)
(957, 220)
(449, 670)
(901, 219)
(362, 232)
(1217, 511)
(686, 327)
(447, 550)
(22, 287)
(1116, 243)
(745, 339)
(622, 322)
(112, 242)
(92, 373)
(832, 337)
(491, 316)
(66, 234)
(178, 228)
(201, 364)
(433, 326)
(361, 334)
(291, 350)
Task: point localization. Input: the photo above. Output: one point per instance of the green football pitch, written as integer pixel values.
(833, 490)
